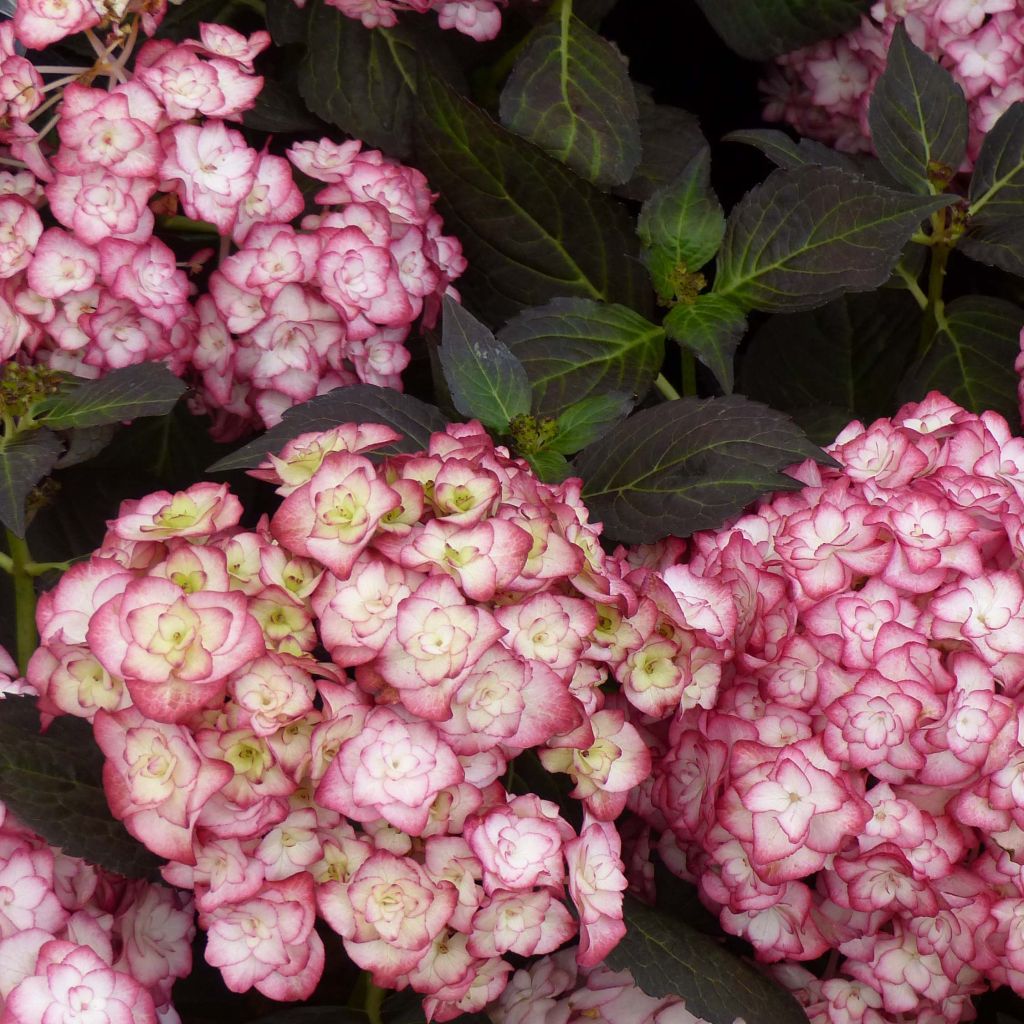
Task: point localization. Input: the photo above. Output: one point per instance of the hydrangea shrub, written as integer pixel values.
(481, 548)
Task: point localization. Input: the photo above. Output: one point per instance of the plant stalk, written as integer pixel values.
(25, 636)
(689, 373)
(934, 312)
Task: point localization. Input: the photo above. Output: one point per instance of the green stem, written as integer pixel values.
(175, 222)
(935, 310)
(38, 568)
(910, 283)
(662, 384)
(689, 373)
(24, 600)
(374, 1001)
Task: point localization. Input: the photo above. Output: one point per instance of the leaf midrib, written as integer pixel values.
(663, 466)
(861, 226)
(582, 278)
(624, 350)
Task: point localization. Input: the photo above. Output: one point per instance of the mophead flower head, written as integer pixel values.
(324, 711)
(849, 786)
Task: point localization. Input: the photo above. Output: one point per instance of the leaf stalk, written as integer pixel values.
(666, 389)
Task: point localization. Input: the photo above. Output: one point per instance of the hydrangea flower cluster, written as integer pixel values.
(470, 615)
(296, 305)
(293, 313)
(480, 19)
(857, 786)
(80, 943)
(553, 990)
(824, 90)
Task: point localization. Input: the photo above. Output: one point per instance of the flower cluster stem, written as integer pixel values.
(374, 1001)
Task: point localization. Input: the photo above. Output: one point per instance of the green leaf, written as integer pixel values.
(995, 234)
(24, 460)
(668, 957)
(760, 29)
(146, 389)
(681, 900)
(584, 422)
(84, 443)
(53, 782)
(485, 379)
(569, 93)
(575, 348)
(785, 152)
(286, 21)
(918, 117)
(360, 403)
(711, 328)
(169, 452)
(831, 365)
(688, 465)
(997, 185)
(550, 466)
(805, 236)
(682, 224)
(280, 110)
(670, 138)
(971, 357)
(996, 243)
(531, 229)
(364, 80)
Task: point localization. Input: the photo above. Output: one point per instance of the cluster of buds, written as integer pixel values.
(80, 943)
(480, 19)
(824, 90)
(554, 990)
(297, 305)
(470, 616)
(857, 786)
